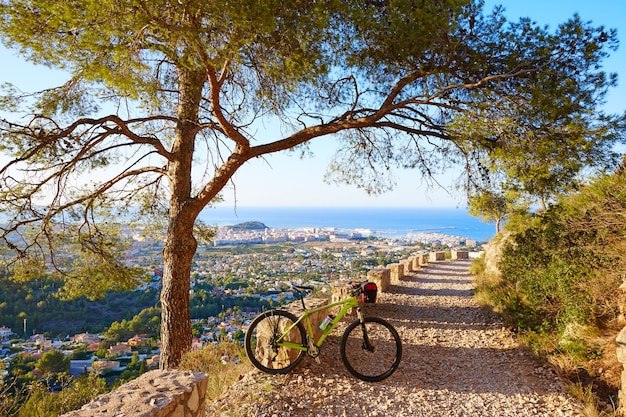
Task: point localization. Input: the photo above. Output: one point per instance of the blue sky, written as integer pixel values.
(284, 180)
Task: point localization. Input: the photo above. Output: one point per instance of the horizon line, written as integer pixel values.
(332, 207)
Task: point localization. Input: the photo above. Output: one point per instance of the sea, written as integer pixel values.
(380, 221)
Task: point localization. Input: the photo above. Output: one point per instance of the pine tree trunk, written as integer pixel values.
(180, 246)
(178, 253)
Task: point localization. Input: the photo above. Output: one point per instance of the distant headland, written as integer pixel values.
(254, 225)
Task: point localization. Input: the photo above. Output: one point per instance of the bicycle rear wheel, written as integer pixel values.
(371, 351)
(262, 337)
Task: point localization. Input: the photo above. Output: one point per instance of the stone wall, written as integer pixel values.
(416, 262)
(437, 256)
(408, 265)
(381, 276)
(397, 272)
(154, 394)
(459, 254)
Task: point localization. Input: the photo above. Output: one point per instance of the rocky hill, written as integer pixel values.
(254, 225)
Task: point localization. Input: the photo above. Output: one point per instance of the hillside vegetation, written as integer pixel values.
(556, 281)
(38, 303)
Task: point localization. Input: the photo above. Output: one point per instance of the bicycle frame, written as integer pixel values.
(347, 303)
(370, 347)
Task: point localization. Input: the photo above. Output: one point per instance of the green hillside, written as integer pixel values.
(555, 276)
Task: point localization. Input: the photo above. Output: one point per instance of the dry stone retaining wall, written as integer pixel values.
(437, 256)
(416, 263)
(381, 276)
(397, 272)
(408, 265)
(459, 254)
(169, 393)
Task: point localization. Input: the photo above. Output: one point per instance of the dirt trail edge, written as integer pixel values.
(458, 360)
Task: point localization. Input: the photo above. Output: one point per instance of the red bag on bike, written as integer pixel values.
(369, 292)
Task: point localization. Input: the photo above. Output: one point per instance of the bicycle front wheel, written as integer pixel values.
(263, 339)
(371, 351)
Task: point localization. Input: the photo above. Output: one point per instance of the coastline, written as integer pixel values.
(380, 221)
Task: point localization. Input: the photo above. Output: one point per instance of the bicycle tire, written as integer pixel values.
(379, 362)
(260, 340)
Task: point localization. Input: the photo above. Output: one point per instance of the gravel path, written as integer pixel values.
(457, 361)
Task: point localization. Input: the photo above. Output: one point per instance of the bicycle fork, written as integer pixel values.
(367, 345)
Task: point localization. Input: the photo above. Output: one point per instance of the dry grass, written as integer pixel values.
(224, 364)
(591, 405)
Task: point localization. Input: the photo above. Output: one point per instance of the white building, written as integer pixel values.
(5, 333)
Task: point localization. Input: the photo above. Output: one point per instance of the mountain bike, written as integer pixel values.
(370, 347)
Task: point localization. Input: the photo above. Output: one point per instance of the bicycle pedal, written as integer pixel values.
(317, 360)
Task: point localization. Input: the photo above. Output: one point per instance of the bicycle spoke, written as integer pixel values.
(376, 361)
(262, 342)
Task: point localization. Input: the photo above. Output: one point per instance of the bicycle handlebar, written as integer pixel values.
(354, 286)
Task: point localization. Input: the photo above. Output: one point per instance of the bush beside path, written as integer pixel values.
(458, 361)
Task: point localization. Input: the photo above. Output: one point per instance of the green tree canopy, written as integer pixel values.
(54, 362)
(490, 206)
(145, 322)
(164, 102)
(537, 141)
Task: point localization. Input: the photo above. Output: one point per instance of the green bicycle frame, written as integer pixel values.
(347, 303)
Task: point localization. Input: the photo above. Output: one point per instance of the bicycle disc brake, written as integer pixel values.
(369, 348)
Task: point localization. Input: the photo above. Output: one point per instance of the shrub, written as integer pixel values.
(44, 403)
(558, 279)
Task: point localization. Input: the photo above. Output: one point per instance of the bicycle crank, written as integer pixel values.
(313, 351)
